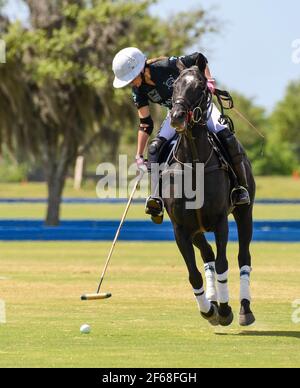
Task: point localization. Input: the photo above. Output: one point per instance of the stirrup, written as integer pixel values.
(239, 189)
(155, 208)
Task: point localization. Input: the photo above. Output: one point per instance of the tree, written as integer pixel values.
(56, 88)
(250, 139)
(286, 119)
(271, 156)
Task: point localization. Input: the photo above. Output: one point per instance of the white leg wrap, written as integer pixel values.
(210, 274)
(245, 283)
(203, 303)
(222, 286)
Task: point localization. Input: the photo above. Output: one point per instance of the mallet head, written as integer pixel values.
(104, 295)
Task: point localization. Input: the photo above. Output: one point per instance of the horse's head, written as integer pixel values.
(190, 99)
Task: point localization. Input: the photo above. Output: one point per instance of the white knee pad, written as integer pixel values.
(166, 130)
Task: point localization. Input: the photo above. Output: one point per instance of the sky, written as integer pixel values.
(253, 51)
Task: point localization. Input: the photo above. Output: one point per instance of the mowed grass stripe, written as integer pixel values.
(267, 187)
(137, 212)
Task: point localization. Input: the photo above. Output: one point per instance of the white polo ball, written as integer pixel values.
(85, 329)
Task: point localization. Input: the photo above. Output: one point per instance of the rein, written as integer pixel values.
(194, 112)
(200, 113)
(195, 115)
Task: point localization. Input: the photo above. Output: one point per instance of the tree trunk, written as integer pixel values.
(57, 162)
(56, 178)
(55, 189)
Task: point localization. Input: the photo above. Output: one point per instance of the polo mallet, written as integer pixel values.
(104, 295)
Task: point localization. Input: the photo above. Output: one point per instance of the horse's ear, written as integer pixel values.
(180, 65)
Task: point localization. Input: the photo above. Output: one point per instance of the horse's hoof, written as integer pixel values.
(212, 316)
(247, 319)
(226, 316)
(246, 316)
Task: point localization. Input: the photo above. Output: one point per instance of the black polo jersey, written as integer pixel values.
(164, 73)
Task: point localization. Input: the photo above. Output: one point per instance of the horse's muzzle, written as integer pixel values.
(178, 121)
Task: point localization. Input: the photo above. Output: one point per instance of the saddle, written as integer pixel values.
(167, 156)
(226, 103)
(166, 153)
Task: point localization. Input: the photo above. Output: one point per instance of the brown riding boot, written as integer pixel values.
(240, 194)
(155, 204)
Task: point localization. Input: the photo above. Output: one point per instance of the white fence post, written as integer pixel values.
(2, 51)
(78, 172)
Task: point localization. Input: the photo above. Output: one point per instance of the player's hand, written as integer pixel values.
(211, 84)
(141, 163)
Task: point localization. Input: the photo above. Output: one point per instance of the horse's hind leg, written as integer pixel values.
(208, 257)
(221, 233)
(244, 220)
(207, 309)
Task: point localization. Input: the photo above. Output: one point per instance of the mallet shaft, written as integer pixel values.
(119, 230)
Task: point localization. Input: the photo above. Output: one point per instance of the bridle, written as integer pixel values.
(195, 113)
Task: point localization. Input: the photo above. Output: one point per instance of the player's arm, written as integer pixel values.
(145, 130)
(211, 82)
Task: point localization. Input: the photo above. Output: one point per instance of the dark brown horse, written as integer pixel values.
(189, 116)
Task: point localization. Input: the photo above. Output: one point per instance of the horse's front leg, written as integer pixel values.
(244, 220)
(208, 310)
(208, 257)
(221, 233)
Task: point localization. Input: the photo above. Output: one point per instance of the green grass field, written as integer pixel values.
(137, 212)
(267, 187)
(152, 319)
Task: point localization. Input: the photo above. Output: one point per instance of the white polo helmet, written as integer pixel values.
(127, 65)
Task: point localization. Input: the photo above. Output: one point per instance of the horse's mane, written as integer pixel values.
(195, 70)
